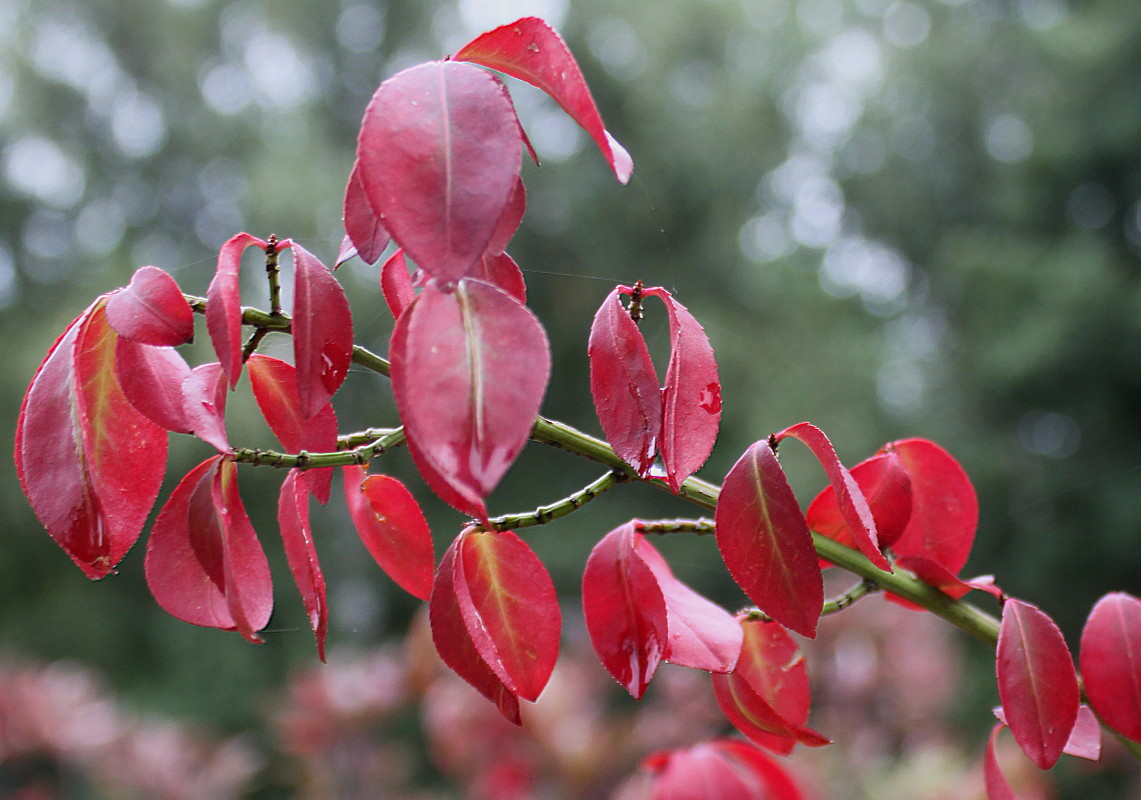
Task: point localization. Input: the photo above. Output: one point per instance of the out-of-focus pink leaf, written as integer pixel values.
(502, 271)
(1036, 682)
(275, 388)
(89, 463)
(224, 305)
(1085, 738)
(691, 397)
(624, 385)
(392, 527)
(531, 50)
(364, 230)
(322, 332)
(151, 379)
(301, 554)
(204, 564)
(454, 644)
(510, 219)
(510, 608)
(1111, 662)
(151, 310)
(625, 610)
(996, 786)
(723, 769)
(767, 696)
(852, 504)
(396, 284)
(701, 634)
(204, 390)
(764, 540)
(944, 507)
(469, 370)
(438, 157)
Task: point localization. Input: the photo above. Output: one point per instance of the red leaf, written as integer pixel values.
(396, 284)
(89, 463)
(722, 769)
(224, 305)
(301, 554)
(502, 271)
(767, 696)
(510, 608)
(529, 49)
(944, 508)
(936, 575)
(438, 158)
(204, 564)
(624, 385)
(364, 230)
(204, 390)
(344, 252)
(152, 378)
(996, 786)
(454, 644)
(765, 542)
(691, 397)
(322, 332)
(510, 219)
(390, 523)
(701, 634)
(151, 310)
(275, 388)
(853, 506)
(1036, 682)
(1111, 662)
(625, 610)
(469, 369)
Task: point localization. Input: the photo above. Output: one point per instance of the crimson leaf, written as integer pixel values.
(301, 554)
(322, 332)
(365, 231)
(151, 310)
(152, 378)
(884, 483)
(1111, 662)
(723, 769)
(396, 283)
(204, 390)
(224, 305)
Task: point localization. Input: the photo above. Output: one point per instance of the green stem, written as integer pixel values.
(700, 526)
(306, 460)
(832, 605)
(561, 508)
(273, 276)
(367, 436)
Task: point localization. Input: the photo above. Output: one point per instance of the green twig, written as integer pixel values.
(561, 508)
(306, 460)
(699, 526)
(831, 605)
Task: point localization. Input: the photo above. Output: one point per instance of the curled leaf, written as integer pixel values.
(301, 554)
(151, 310)
(364, 230)
(224, 305)
(322, 332)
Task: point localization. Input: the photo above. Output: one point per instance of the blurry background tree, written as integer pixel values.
(894, 218)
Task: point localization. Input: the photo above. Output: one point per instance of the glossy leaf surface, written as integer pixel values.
(454, 644)
(887, 489)
(151, 310)
(691, 396)
(701, 634)
(625, 610)
(1111, 662)
(529, 49)
(510, 608)
(322, 332)
(301, 554)
(224, 305)
(274, 383)
(392, 527)
(764, 540)
(469, 369)
(438, 158)
(1036, 682)
(368, 236)
(624, 385)
(850, 501)
(151, 378)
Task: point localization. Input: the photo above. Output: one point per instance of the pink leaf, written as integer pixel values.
(322, 332)
(510, 608)
(151, 310)
(1036, 682)
(529, 49)
(392, 527)
(996, 786)
(365, 231)
(454, 644)
(1111, 662)
(396, 284)
(345, 252)
(691, 397)
(469, 370)
(853, 506)
(624, 385)
(765, 542)
(275, 388)
(1085, 738)
(701, 634)
(625, 610)
(224, 305)
(204, 390)
(151, 379)
(510, 219)
(502, 271)
(438, 158)
(301, 554)
(204, 564)
(722, 769)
